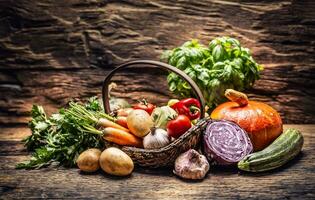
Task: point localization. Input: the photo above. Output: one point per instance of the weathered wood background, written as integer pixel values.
(52, 51)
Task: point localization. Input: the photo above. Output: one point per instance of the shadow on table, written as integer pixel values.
(104, 174)
(166, 171)
(223, 170)
(214, 171)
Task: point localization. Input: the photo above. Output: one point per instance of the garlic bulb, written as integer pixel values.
(157, 138)
(191, 165)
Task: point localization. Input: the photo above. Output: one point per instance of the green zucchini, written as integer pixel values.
(283, 149)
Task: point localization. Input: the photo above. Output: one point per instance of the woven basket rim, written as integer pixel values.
(170, 145)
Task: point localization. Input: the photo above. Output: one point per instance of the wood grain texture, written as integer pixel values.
(53, 51)
(295, 180)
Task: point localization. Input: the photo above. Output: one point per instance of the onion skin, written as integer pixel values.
(262, 123)
(225, 143)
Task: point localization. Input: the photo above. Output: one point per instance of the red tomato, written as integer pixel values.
(144, 105)
(178, 126)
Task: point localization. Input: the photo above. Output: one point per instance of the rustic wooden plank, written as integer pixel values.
(14, 133)
(293, 181)
(12, 148)
(55, 184)
(52, 51)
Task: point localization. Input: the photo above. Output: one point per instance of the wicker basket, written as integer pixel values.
(166, 155)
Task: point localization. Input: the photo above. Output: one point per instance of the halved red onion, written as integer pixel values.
(225, 142)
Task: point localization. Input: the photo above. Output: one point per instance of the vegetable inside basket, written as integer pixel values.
(164, 156)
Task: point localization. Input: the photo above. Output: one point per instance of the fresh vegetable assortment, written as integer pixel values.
(238, 133)
(75, 135)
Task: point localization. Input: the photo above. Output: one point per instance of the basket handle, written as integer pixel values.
(193, 85)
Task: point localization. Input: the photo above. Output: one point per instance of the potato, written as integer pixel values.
(116, 162)
(139, 122)
(88, 160)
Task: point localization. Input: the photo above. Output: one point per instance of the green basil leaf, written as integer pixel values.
(217, 53)
(224, 64)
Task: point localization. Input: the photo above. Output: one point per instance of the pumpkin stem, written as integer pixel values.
(236, 96)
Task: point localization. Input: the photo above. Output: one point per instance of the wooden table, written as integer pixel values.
(295, 180)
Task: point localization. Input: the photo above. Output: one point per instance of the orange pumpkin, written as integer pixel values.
(262, 123)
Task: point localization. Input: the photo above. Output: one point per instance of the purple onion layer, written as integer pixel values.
(225, 142)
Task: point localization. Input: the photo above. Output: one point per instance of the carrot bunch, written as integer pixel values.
(104, 125)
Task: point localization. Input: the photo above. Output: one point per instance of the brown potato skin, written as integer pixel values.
(116, 162)
(139, 122)
(88, 160)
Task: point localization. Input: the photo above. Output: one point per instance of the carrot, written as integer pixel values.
(121, 137)
(107, 123)
(122, 121)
